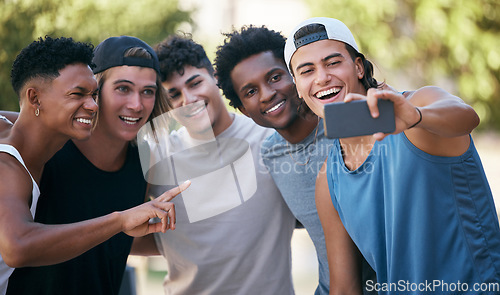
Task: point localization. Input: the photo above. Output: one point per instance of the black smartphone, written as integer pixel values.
(354, 119)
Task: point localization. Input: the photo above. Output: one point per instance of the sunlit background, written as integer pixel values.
(454, 44)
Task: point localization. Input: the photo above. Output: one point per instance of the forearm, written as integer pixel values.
(11, 116)
(42, 244)
(448, 118)
(444, 114)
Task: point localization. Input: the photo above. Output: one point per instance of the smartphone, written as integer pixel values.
(354, 119)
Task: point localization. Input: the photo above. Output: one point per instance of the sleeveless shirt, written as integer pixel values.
(419, 219)
(5, 270)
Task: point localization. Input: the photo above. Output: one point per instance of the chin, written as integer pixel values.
(82, 137)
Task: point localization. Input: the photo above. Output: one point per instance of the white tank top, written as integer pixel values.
(5, 270)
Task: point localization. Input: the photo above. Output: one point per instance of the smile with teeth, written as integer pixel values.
(84, 121)
(130, 120)
(329, 92)
(195, 111)
(275, 107)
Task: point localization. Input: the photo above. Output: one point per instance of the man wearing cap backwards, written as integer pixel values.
(415, 203)
(98, 176)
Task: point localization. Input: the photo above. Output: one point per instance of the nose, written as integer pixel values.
(188, 97)
(90, 105)
(135, 102)
(267, 93)
(322, 76)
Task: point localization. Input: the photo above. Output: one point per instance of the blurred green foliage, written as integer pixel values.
(454, 44)
(22, 21)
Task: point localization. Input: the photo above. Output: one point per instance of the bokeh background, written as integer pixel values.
(454, 44)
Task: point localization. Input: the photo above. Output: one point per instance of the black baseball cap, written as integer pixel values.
(109, 53)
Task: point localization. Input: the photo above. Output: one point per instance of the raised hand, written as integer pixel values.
(406, 115)
(136, 221)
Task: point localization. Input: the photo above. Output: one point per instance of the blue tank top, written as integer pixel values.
(426, 224)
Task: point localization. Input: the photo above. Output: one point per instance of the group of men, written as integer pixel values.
(253, 176)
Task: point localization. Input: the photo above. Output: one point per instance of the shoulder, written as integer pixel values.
(272, 143)
(14, 176)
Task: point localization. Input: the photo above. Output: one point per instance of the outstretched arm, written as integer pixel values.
(444, 125)
(24, 242)
(343, 255)
(443, 114)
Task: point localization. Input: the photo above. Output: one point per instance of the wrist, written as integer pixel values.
(116, 218)
(419, 119)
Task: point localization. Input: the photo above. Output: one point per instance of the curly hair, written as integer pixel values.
(44, 58)
(239, 45)
(177, 51)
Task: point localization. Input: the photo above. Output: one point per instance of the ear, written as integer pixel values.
(32, 96)
(360, 69)
(299, 95)
(243, 111)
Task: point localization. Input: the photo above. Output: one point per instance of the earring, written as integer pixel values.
(37, 112)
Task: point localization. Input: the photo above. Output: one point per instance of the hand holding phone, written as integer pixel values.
(354, 119)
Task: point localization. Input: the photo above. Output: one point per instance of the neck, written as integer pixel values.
(36, 143)
(299, 129)
(223, 122)
(105, 153)
(355, 150)
(358, 140)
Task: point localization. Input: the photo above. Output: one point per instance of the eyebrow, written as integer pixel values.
(123, 81)
(130, 82)
(191, 78)
(332, 56)
(248, 85)
(85, 89)
(323, 60)
(172, 90)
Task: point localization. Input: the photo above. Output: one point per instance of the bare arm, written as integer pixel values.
(343, 255)
(11, 116)
(443, 114)
(446, 122)
(24, 242)
(446, 119)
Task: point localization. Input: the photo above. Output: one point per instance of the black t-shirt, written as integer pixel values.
(72, 190)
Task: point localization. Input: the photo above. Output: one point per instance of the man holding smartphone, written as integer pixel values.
(414, 203)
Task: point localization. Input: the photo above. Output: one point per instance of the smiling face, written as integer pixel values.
(325, 72)
(126, 99)
(266, 90)
(196, 91)
(67, 104)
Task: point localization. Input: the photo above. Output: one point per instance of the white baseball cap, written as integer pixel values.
(335, 30)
